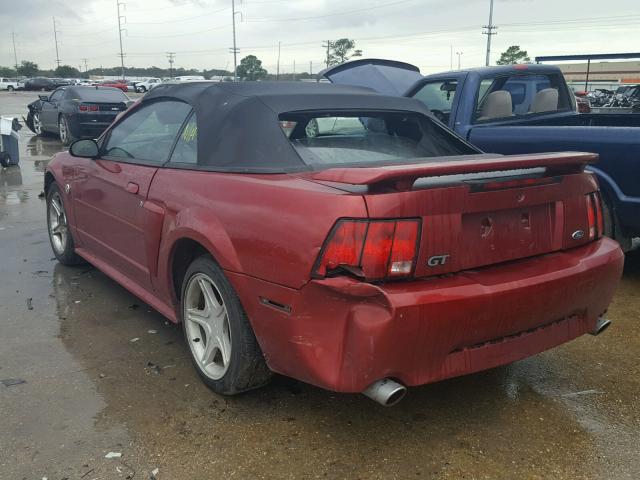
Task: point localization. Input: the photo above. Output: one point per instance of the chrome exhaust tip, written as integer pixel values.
(386, 392)
(601, 325)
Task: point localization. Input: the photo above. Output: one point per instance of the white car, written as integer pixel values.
(190, 78)
(9, 84)
(148, 84)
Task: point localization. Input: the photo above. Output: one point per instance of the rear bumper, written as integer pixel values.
(342, 334)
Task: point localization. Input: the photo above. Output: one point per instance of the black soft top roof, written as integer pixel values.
(238, 127)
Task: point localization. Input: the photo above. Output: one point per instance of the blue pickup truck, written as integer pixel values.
(521, 109)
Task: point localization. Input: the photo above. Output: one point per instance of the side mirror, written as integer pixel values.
(87, 148)
(44, 98)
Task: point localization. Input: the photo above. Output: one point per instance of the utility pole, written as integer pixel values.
(278, 64)
(55, 37)
(235, 48)
(86, 68)
(120, 30)
(294, 70)
(170, 56)
(459, 55)
(310, 67)
(328, 45)
(489, 32)
(451, 57)
(15, 54)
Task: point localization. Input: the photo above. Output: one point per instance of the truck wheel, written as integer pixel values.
(10, 88)
(58, 228)
(5, 159)
(612, 227)
(66, 137)
(222, 344)
(142, 89)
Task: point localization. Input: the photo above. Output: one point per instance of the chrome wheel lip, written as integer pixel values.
(58, 229)
(207, 327)
(37, 124)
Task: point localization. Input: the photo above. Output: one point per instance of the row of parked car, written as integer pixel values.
(45, 84)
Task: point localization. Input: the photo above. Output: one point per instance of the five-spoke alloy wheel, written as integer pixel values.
(59, 234)
(222, 344)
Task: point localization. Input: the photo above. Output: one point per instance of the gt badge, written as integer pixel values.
(437, 260)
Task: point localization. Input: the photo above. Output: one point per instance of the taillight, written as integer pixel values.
(594, 216)
(372, 249)
(88, 108)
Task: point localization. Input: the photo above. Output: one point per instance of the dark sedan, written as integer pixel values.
(76, 112)
(40, 83)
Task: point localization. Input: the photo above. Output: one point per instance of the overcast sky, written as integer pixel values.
(421, 32)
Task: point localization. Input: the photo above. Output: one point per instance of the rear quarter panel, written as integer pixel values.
(270, 227)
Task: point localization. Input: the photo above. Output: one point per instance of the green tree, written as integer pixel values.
(7, 72)
(28, 69)
(250, 68)
(513, 55)
(66, 71)
(342, 50)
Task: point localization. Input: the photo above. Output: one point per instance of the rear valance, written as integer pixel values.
(408, 173)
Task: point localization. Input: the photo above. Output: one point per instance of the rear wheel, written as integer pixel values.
(5, 159)
(59, 234)
(66, 137)
(222, 344)
(612, 226)
(10, 88)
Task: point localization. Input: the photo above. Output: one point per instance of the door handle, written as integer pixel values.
(133, 187)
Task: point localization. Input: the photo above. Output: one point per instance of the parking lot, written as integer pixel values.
(88, 369)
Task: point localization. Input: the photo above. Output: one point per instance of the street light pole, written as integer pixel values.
(235, 47)
(459, 55)
(120, 30)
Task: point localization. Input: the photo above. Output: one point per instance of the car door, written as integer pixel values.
(49, 112)
(110, 192)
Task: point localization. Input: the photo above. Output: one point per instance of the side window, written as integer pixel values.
(56, 96)
(186, 150)
(148, 133)
(518, 95)
(438, 97)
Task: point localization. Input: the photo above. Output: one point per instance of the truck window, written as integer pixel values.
(438, 96)
(519, 95)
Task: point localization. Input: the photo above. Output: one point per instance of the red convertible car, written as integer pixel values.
(337, 236)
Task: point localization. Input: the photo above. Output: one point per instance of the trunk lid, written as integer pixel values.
(384, 76)
(479, 210)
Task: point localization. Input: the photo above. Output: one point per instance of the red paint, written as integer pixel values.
(514, 282)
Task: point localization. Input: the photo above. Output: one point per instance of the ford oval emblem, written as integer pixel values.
(578, 235)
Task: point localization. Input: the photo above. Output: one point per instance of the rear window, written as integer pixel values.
(92, 94)
(368, 138)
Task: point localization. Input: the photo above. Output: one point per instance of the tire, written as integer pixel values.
(61, 239)
(142, 89)
(225, 326)
(64, 132)
(611, 225)
(37, 124)
(5, 159)
(10, 88)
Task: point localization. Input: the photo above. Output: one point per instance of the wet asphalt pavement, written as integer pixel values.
(101, 372)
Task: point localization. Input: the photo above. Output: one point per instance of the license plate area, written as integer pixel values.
(503, 235)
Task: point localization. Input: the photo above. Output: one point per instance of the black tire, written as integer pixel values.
(67, 256)
(142, 89)
(5, 159)
(612, 226)
(63, 126)
(247, 368)
(10, 88)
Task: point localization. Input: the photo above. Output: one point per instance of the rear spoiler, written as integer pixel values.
(401, 177)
